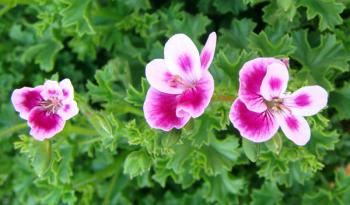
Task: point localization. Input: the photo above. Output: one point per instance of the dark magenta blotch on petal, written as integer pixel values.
(292, 123)
(31, 99)
(160, 110)
(302, 100)
(205, 57)
(47, 122)
(185, 63)
(275, 83)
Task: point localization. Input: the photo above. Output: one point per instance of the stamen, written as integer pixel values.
(51, 105)
(176, 80)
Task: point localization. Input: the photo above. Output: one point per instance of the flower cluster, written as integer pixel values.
(46, 107)
(181, 89)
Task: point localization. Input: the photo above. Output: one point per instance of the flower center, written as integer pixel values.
(276, 104)
(51, 105)
(176, 81)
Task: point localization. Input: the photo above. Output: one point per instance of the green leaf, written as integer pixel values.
(137, 97)
(220, 155)
(318, 60)
(223, 188)
(275, 144)
(251, 149)
(44, 52)
(267, 194)
(137, 163)
(339, 99)
(275, 48)
(280, 10)
(328, 12)
(238, 34)
(75, 14)
(234, 6)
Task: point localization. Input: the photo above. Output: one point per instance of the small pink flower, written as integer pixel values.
(263, 106)
(181, 85)
(46, 107)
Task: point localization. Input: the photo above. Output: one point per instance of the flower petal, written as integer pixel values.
(44, 125)
(161, 79)
(250, 79)
(194, 100)
(295, 128)
(256, 127)
(51, 89)
(275, 81)
(160, 111)
(25, 99)
(182, 58)
(68, 110)
(307, 100)
(208, 51)
(67, 89)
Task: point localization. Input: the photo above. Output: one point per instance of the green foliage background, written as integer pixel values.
(108, 154)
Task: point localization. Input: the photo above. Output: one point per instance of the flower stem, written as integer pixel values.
(12, 129)
(224, 98)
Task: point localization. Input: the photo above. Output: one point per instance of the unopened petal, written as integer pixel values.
(256, 127)
(307, 100)
(160, 111)
(194, 100)
(294, 127)
(275, 81)
(250, 79)
(182, 57)
(44, 125)
(25, 99)
(208, 51)
(161, 79)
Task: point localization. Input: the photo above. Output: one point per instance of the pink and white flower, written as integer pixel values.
(46, 107)
(263, 105)
(181, 85)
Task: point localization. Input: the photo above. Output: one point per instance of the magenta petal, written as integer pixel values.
(250, 77)
(307, 101)
(295, 128)
(182, 57)
(68, 110)
(161, 79)
(25, 99)
(160, 111)
(51, 90)
(44, 125)
(67, 89)
(275, 81)
(208, 51)
(195, 100)
(256, 127)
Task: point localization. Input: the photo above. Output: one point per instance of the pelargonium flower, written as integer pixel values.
(263, 105)
(181, 85)
(46, 107)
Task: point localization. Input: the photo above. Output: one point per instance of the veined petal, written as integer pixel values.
(275, 81)
(256, 127)
(294, 127)
(51, 89)
(307, 101)
(194, 100)
(25, 99)
(68, 110)
(44, 125)
(182, 58)
(161, 79)
(160, 111)
(250, 79)
(208, 51)
(67, 89)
